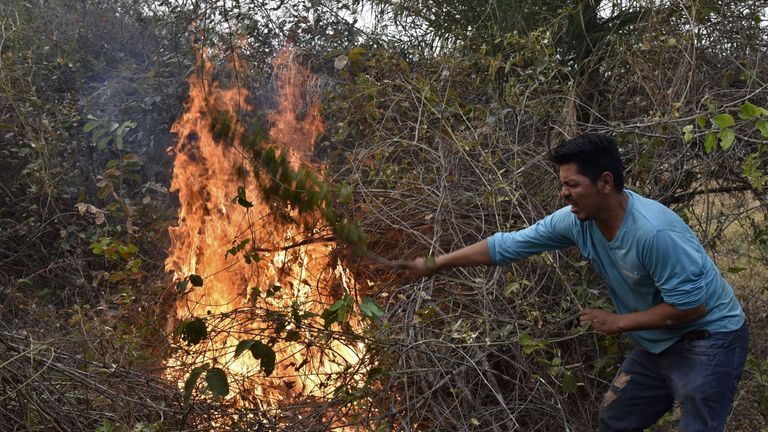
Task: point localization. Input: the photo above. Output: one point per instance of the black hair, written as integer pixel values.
(593, 155)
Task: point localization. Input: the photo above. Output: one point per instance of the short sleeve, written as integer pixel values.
(552, 232)
(675, 262)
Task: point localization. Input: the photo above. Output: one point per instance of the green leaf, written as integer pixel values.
(338, 311)
(295, 315)
(336, 305)
(723, 121)
(196, 280)
(237, 248)
(569, 383)
(243, 346)
(216, 379)
(701, 122)
(329, 317)
(97, 134)
(280, 326)
(370, 308)
(191, 381)
(762, 126)
(427, 313)
(374, 374)
(106, 426)
(182, 286)
(102, 144)
(356, 54)
(688, 133)
(726, 138)
(345, 193)
(749, 111)
(710, 142)
(252, 257)
(91, 125)
(245, 203)
(527, 343)
(266, 355)
(131, 157)
(430, 262)
(121, 131)
(193, 331)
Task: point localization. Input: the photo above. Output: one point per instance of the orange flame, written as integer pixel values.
(236, 296)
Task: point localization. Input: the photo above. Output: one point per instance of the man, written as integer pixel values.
(668, 295)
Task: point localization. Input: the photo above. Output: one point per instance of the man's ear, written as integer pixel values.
(605, 182)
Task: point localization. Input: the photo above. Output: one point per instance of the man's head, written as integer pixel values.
(590, 172)
(593, 155)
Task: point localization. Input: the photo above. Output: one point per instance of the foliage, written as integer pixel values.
(297, 189)
(261, 351)
(80, 221)
(193, 331)
(446, 149)
(759, 368)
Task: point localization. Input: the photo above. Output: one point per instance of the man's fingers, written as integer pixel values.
(587, 318)
(417, 267)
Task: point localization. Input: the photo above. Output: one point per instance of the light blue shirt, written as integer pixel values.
(654, 258)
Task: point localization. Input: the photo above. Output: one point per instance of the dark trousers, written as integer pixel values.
(699, 374)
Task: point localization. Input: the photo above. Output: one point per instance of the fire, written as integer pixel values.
(259, 297)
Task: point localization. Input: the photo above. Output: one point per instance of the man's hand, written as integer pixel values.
(475, 254)
(601, 321)
(417, 268)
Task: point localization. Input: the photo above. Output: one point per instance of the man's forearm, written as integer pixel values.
(662, 315)
(473, 255)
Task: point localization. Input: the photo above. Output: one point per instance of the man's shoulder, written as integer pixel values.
(561, 221)
(650, 216)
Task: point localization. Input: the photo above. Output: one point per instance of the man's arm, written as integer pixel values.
(551, 232)
(476, 254)
(663, 315)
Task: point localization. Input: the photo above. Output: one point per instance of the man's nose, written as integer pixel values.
(565, 192)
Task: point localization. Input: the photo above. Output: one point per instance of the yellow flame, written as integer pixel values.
(207, 174)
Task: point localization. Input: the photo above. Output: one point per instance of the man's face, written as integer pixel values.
(582, 195)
